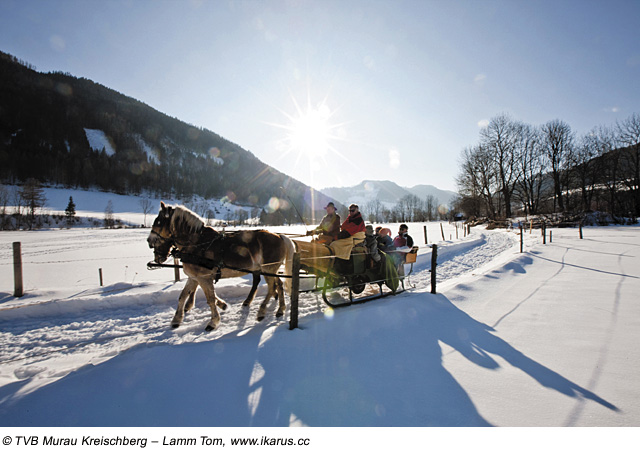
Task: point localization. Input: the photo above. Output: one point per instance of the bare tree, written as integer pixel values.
(628, 132)
(612, 164)
(588, 165)
(531, 167)
(109, 221)
(147, 206)
(4, 202)
(557, 142)
(373, 210)
(478, 180)
(33, 198)
(501, 138)
(431, 206)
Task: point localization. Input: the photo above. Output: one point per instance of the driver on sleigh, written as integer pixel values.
(329, 227)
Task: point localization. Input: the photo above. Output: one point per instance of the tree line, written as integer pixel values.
(409, 208)
(520, 169)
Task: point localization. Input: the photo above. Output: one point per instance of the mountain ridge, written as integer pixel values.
(387, 192)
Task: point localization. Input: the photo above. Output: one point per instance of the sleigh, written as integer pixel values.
(356, 280)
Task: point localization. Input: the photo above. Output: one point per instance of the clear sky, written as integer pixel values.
(335, 92)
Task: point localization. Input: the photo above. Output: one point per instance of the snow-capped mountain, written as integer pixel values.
(387, 192)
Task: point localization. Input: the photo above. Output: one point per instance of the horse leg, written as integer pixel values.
(212, 300)
(254, 288)
(282, 307)
(189, 289)
(188, 306)
(279, 295)
(221, 303)
(262, 311)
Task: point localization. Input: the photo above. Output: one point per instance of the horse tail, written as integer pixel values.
(290, 249)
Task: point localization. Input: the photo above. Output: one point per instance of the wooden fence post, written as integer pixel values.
(521, 239)
(176, 269)
(581, 231)
(426, 241)
(550, 236)
(544, 233)
(17, 270)
(295, 290)
(100, 275)
(434, 263)
(442, 231)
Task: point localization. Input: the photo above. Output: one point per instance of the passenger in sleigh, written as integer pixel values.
(371, 243)
(329, 227)
(351, 234)
(403, 244)
(383, 236)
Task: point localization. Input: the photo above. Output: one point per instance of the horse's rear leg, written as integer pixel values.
(189, 289)
(213, 301)
(262, 311)
(190, 302)
(254, 288)
(275, 290)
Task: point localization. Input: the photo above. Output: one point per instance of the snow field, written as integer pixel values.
(542, 338)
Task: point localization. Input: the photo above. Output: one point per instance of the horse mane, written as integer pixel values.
(185, 221)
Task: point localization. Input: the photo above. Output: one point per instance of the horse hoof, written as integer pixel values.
(222, 306)
(175, 325)
(209, 328)
(279, 314)
(260, 318)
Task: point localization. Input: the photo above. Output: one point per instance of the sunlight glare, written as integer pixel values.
(310, 132)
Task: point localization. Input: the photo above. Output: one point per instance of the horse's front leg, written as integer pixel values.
(262, 311)
(254, 288)
(189, 289)
(282, 306)
(212, 300)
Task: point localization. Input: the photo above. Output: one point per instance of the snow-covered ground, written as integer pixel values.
(543, 338)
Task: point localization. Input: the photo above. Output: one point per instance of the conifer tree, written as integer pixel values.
(70, 212)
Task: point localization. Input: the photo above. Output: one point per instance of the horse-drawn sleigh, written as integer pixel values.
(208, 255)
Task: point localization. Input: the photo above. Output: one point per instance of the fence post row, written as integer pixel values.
(17, 270)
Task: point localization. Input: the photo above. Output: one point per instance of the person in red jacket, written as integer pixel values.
(353, 224)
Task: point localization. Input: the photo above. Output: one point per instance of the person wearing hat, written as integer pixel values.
(329, 226)
(385, 243)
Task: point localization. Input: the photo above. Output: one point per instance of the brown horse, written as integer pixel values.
(208, 255)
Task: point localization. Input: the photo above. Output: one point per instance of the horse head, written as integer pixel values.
(160, 238)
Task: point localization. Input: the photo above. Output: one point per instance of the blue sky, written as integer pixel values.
(335, 92)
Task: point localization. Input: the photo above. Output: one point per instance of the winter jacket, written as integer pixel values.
(329, 226)
(403, 240)
(354, 224)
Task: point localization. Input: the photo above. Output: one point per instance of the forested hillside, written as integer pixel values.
(70, 131)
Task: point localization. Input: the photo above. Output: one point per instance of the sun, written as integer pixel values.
(310, 132)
